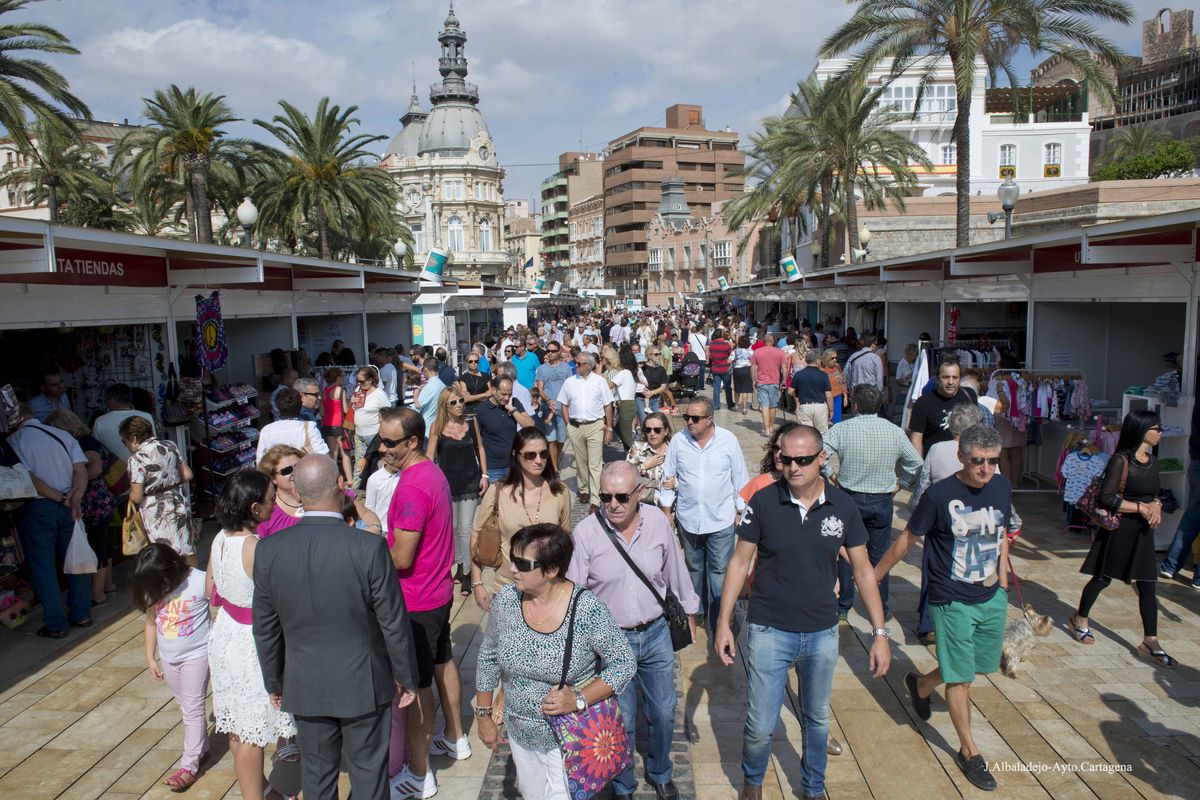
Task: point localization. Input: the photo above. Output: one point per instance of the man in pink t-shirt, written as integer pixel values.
(421, 539)
(766, 367)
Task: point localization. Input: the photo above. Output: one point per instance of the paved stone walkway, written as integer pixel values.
(81, 718)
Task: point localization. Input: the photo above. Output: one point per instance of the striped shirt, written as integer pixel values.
(871, 452)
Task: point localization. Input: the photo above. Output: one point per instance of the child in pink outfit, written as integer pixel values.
(171, 593)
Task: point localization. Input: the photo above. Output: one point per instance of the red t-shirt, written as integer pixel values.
(758, 344)
(422, 504)
(770, 361)
(719, 351)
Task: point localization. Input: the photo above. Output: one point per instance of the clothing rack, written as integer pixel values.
(1033, 452)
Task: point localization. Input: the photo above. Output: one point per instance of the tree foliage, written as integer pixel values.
(1172, 159)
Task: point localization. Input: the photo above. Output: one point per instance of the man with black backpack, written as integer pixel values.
(645, 538)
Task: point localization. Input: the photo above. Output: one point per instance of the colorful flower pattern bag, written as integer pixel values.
(594, 743)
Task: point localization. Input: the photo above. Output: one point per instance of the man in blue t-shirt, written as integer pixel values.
(965, 521)
(526, 362)
(549, 378)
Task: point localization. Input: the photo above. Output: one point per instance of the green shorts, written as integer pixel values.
(969, 636)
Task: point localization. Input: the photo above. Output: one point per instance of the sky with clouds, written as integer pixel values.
(551, 73)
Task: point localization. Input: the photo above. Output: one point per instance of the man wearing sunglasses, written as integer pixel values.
(421, 540)
(549, 380)
(964, 519)
(585, 401)
(702, 474)
(796, 525)
(644, 534)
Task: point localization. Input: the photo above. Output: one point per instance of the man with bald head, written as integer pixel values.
(796, 526)
(623, 528)
(339, 670)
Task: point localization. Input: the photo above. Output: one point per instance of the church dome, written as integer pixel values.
(449, 129)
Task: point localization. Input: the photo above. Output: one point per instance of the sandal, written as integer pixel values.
(289, 753)
(1083, 635)
(181, 781)
(1158, 656)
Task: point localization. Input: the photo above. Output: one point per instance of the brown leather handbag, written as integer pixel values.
(487, 544)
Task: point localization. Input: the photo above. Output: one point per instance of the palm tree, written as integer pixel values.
(832, 144)
(61, 166)
(183, 135)
(24, 80)
(1136, 140)
(152, 213)
(327, 177)
(920, 33)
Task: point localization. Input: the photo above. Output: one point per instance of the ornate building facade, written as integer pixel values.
(444, 160)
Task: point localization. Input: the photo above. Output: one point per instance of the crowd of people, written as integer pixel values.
(322, 618)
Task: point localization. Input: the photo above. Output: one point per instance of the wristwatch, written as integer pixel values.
(580, 703)
(884, 632)
(483, 711)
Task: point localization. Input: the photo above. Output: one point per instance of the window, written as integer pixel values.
(655, 258)
(485, 235)
(949, 154)
(687, 256)
(418, 233)
(722, 253)
(671, 258)
(1008, 155)
(454, 238)
(452, 189)
(574, 253)
(1052, 161)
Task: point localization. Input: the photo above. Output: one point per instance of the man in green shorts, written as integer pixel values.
(964, 520)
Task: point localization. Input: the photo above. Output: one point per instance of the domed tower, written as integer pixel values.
(454, 120)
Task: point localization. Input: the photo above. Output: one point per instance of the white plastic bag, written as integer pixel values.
(81, 559)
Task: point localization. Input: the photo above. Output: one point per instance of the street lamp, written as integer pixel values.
(1008, 194)
(247, 215)
(864, 239)
(401, 250)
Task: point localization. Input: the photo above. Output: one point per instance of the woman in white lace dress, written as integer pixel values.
(241, 705)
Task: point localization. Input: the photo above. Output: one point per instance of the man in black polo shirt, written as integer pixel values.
(499, 418)
(797, 525)
(929, 422)
(813, 393)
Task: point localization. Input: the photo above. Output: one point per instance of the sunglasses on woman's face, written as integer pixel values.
(457, 402)
(525, 564)
(799, 461)
(659, 429)
(472, 360)
(285, 472)
(534, 455)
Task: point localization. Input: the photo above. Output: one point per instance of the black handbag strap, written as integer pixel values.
(612, 535)
(570, 638)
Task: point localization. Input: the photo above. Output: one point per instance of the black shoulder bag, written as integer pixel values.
(677, 618)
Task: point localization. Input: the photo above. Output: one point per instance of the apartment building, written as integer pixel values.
(707, 161)
(585, 224)
(579, 177)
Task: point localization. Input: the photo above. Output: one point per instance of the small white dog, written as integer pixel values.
(1019, 638)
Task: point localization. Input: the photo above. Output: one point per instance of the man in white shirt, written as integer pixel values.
(388, 378)
(864, 366)
(519, 392)
(59, 469)
(618, 333)
(586, 402)
(119, 399)
(702, 475)
(698, 344)
(290, 429)
(380, 488)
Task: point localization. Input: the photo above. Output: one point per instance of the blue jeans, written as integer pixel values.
(707, 555)
(770, 653)
(720, 379)
(1179, 554)
(876, 511)
(656, 678)
(46, 529)
(640, 402)
(496, 474)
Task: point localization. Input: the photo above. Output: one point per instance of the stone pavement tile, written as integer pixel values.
(88, 689)
(129, 751)
(16, 703)
(95, 783)
(726, 773)
(717, 792)
(25, 733)
(1125, 691)
(112, 720)
(148, 773)
(47, 773)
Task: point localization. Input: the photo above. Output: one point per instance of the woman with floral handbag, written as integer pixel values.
(562, 660)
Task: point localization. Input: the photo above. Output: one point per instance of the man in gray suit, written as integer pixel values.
(333, 637)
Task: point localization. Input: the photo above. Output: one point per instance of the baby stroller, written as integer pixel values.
(687, 376)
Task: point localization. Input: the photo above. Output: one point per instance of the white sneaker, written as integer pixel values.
(441, 746)
(406, 786)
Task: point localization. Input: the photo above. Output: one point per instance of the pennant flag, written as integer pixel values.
(700, 286)
(212, 349)
(539, 284)
(528, 264)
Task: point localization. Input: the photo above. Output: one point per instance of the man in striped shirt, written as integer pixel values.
(871, 452)
(719, 352)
